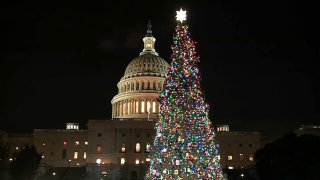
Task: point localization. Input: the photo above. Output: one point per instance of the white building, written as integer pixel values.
(119, 147)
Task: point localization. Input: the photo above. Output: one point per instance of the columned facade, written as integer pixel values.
(141, 84)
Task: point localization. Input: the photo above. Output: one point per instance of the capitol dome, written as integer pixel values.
(146, 65)
(141, 84)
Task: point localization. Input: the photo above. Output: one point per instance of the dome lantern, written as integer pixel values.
(149, 41)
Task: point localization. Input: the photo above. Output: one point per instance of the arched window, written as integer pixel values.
(142, 88)
(123, 148)
(99, 148)
(138, 148)
(125, 88)
(137, 106)
(142, 106)
(122, 161)
(64, 153)
(154, 85)
(148, 86)
(124, 108)
(137, 86)
(132, 87)
(129, 107)
(129, 87)
(154, 107)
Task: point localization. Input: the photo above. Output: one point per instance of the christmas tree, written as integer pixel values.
(184, 146)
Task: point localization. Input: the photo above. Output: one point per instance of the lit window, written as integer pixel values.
(99, 148)
(76, 143)
(137, 107)
(53, 174)
(137, 161)
(17, 148)
(75, 155)
(154, 107)
(241, 157)
(98, 161)
(122, 161)
(148, 147)
(42, 156)
(124, 108)
(138, 147)
(251, 157)
(86, 143)
(229, 157)
(230, 167)
(148, 159)
(123, 148)
(65, 143)
(43, 143)
(84, 155)
(129, 108)
(148, 45)
(142, 106)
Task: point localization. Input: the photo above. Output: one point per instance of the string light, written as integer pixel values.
(184, 147)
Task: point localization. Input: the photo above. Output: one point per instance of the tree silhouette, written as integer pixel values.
(290, 158)
(25, 164)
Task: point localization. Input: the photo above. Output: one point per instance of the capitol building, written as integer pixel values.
(118, 148)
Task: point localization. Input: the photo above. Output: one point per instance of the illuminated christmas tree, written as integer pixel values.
(184, 146)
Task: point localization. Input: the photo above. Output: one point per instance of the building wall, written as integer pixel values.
(18, 141)
(58, 147)
(114, 133)
(118, 139)
(239, 146)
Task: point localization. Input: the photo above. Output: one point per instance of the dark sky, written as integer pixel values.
(61, 60)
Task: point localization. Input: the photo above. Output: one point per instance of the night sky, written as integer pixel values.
(61, 60)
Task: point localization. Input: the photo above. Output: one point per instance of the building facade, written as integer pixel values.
(62, 147)
(237, 148)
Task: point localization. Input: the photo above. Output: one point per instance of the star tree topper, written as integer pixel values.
(181, 15)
